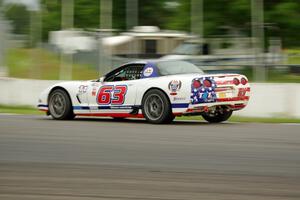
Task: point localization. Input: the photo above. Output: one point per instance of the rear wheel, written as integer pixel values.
(60, 105)
(156, 107)
(217, 116)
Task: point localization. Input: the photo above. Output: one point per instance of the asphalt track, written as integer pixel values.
(42, 159)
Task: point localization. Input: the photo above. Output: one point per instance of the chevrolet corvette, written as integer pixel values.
(155, 90)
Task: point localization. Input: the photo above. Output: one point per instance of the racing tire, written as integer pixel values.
(156, 107)
(170, 119)
(217, 117)
(60, 105)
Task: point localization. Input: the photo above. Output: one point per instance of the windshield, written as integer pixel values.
(188, 49)
(177, 67)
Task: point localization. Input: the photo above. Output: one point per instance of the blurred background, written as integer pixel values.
(45, 41)
(84, 39)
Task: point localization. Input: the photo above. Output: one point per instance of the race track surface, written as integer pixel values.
(43, 159)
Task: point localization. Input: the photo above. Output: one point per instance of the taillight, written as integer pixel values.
(236, 81)
(244, 81)
(207, 83)
(196, 84)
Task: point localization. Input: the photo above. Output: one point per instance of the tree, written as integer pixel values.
(281, 16)
(51, 17)
(284, 17)
(19, 16)
(86, 14)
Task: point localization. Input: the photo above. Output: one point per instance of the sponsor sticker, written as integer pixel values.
(179, 98)
(148, 71)
(174, 85)
(94, 91)
(82, 89)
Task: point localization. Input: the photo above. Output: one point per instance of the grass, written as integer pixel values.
(35, 111)
(279, 75)
(41, 64)
(19, 110)
(248, 119)
(293, 56)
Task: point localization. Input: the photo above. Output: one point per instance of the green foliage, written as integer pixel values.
(51, 16)
(86, 14)
(285, 15)
(152, 12)
(220, 16)
(19, 17)
(179, 18)
(119, 14)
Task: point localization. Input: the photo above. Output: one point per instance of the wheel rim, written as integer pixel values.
(154, 107)
(57, 105)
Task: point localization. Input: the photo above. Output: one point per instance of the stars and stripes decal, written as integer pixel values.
(201, 93)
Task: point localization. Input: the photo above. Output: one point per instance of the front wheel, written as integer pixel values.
(60, 105)
(218, 116)
(156, 107)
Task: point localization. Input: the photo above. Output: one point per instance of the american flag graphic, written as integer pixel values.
(204, 94)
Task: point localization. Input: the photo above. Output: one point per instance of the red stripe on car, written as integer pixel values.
(243, 98)
(123, 115)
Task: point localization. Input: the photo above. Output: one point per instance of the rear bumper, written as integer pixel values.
(210, 93)
(234, 104)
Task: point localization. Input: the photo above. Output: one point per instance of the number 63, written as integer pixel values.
(105, 96)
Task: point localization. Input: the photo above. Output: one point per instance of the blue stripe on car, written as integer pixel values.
(81, 107)
(43, 105)
(180, 105)
(176, 105)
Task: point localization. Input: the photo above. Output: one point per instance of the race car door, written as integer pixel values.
(117, 93)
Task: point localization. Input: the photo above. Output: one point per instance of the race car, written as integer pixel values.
(155, 90)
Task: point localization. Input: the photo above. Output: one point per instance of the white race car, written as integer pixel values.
(155, 90)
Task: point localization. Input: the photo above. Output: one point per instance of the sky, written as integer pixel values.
(31, 4)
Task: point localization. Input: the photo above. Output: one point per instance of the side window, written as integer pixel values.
(129, 72)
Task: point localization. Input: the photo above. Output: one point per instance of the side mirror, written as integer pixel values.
(101, 80)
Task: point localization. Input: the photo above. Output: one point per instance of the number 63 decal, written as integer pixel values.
(105, 95)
